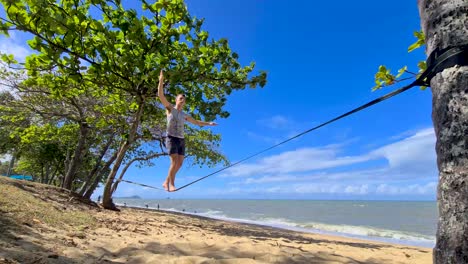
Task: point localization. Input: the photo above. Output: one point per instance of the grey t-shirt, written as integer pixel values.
(175, 123)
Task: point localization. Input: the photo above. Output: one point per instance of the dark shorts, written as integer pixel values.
(175, 145)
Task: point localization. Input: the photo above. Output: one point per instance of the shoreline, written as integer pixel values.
(46, 224)
(394, 241)
(267, 244)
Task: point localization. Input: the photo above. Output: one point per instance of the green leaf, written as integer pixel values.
(420, 41)
(4, 26)
(422, 66)
(401, 72)
(414, 46)
(8, 58)
(158, 5)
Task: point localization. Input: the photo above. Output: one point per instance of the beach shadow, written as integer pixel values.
(259, 232)
(280, 238)
(48, 193)
(18, 248)
(218, 253)
(23, 240)
(267, 233)
(33, 252)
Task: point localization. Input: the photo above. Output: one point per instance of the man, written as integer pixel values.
(175, 142)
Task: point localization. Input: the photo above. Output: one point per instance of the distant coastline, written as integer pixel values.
(128, 197)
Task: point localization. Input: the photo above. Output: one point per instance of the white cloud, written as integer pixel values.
(371, 175)
(270, 179)
(412, 156)
(300, 160)
(276, 122)
(386, 189)
(327, 188)
(391, 169)
(264, 138)
(11, 45)
(363, 189)
(286, 128)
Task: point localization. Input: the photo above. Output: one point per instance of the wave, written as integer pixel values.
(367, 231)
(363, 232)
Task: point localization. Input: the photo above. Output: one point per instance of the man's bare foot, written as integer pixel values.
(165, 186)
(172, 188)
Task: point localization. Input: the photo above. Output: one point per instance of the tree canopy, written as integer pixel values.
(92, 79)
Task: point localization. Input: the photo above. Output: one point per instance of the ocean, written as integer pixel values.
(401, 222)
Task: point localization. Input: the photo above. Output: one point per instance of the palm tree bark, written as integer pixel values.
(444, 23)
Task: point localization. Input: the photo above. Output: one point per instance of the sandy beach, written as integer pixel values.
(146, 236)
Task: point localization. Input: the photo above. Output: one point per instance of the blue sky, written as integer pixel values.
(321, 57)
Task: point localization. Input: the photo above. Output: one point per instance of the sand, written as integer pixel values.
(146, 236)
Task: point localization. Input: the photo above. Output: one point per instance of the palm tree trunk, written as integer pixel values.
(444, 23)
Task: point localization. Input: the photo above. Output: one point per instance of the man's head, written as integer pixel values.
(180, 99)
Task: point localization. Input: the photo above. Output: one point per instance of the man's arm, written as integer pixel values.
(161, 92)
(198, 122)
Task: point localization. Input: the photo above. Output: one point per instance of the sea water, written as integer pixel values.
(402, 222)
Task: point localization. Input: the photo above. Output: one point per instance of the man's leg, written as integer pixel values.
(173, 168)
(180, 161)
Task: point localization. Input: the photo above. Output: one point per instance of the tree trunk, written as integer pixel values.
(444, 23)
(52, 177)
(11, 165)
(77, 156)
(107, 194)
(92, 175)
(124, 170)
(47, 173)
(66, 164)
(89, 191)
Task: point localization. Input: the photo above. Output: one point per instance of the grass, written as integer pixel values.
(28, 203)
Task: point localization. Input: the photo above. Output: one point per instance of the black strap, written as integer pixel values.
(141, 184)
(441, 59)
